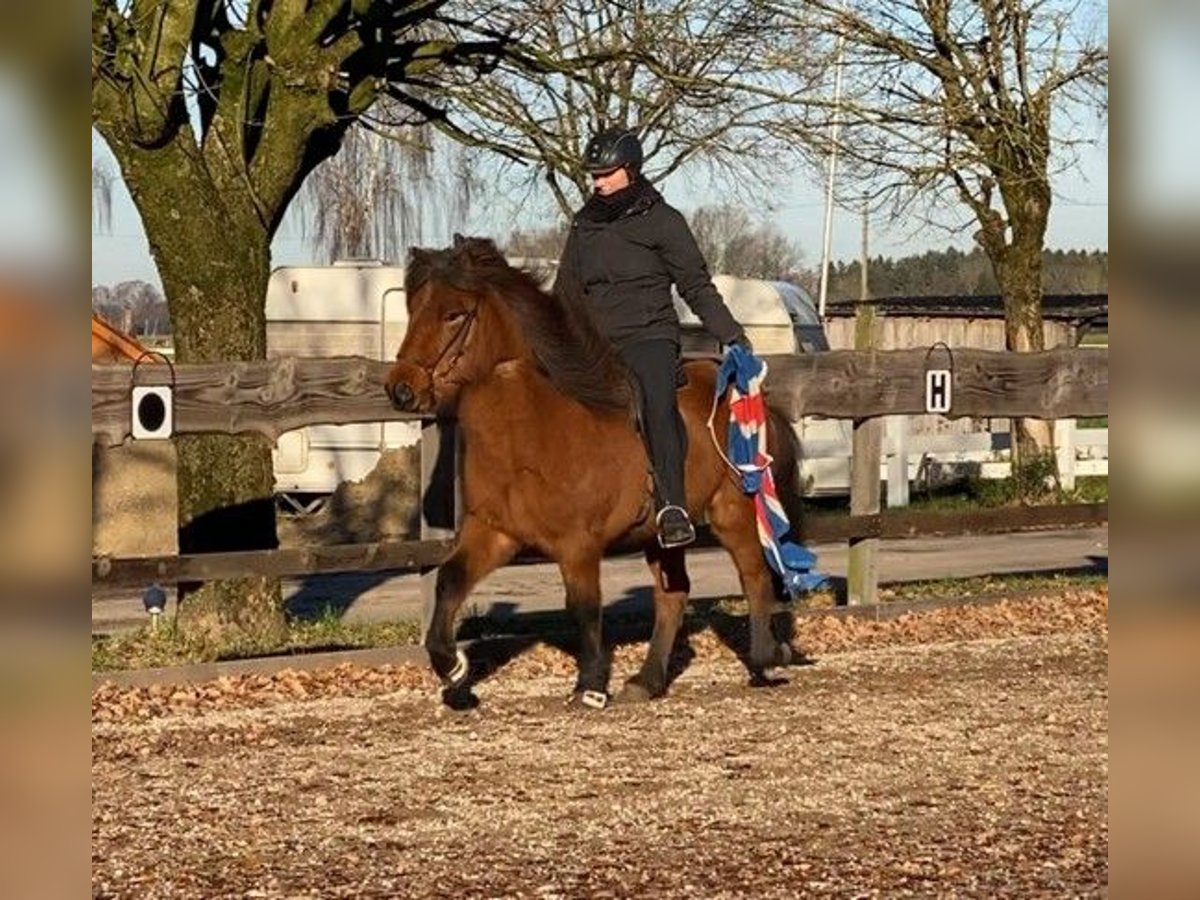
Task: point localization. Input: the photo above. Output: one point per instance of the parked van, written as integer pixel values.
(351, 308)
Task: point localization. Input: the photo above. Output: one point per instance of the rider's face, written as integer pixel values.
(605, 183)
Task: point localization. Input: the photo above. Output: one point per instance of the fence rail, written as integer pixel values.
(275, 396)
(278, 395)
(401, 556)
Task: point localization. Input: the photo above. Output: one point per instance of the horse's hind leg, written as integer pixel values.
(480, 550)
(581, 578)
(731, 515)
(671, 587)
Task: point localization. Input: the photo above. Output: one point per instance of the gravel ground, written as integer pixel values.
(962, 752)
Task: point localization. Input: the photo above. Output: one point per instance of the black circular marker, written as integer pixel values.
(152, 412)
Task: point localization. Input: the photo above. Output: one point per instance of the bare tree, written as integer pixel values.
(733, 245)
(702, 81)
(537, 243)
(391, 185)
(216, 111)
(715, 228)
(969, 105)
(764, 252)
(136, 307)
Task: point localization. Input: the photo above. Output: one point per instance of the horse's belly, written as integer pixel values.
(551, 499)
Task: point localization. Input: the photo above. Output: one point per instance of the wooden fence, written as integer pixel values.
(275, 396)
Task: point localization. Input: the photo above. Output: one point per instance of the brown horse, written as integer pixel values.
(553, 460)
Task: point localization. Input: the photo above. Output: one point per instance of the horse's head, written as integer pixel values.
(457, 332)
(469, 311)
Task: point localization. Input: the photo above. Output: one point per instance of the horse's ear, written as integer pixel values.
(418, 255)
(480, 250)
(459, 240)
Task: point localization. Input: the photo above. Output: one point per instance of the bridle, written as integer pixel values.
(457, 343)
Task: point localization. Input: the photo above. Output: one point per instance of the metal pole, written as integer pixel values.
(835, 128)
(863, 286)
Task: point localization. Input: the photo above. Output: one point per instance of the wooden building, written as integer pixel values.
(906, 322)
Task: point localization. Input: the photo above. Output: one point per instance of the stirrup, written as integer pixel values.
(678, 533)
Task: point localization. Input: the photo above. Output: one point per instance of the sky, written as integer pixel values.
(1078, 220)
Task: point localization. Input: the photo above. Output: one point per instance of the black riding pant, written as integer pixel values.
(655, 366)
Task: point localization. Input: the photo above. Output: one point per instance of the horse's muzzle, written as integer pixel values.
(402, 396)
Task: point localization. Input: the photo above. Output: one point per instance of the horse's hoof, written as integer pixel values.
(459, 699)
(634, 692)
(766, 679)
(780, 656)
(590, 699)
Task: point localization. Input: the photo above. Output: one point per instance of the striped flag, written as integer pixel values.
(744, 373)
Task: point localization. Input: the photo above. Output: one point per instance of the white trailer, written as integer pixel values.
(351, 308)
(357, 308)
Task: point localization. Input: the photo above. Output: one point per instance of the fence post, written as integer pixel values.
(862, 571)
(897, 472)
(441, 499)
(862, 574)
(1064, 449)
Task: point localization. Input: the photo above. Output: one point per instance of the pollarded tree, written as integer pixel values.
(216, 111)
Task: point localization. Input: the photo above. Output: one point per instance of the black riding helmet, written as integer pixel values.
(613, 148)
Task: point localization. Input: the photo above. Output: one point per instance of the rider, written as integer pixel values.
(625, 249)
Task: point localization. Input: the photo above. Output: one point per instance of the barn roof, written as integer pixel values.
(1074, 308)
(110, 344)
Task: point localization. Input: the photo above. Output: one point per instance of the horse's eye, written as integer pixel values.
(455, 315)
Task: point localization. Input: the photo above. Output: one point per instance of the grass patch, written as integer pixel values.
(975, 492)
(989, 585)
(170, 645)
(944, 589)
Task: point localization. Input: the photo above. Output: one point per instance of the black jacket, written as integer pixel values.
(623, 257)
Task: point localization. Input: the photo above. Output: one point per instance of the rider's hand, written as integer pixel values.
(743, 342)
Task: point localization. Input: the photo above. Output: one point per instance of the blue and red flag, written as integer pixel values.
(748, 454)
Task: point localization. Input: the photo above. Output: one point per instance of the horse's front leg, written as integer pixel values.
(671, 588)
(581, 578)
(480, 550)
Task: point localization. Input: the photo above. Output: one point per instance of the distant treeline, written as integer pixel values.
(139, 308)
(953, 272)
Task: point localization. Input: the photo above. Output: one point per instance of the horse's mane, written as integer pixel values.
(564, 340)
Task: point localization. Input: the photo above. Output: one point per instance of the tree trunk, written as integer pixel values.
(213, 253)
(1020, 280)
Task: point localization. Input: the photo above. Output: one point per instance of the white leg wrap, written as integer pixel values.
(461, 667)
(594, 699)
